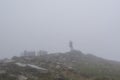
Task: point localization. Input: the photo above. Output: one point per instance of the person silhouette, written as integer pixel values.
(71, 45)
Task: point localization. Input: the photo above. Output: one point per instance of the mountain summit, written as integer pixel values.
(72, 65)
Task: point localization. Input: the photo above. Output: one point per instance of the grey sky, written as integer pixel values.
(93, 26)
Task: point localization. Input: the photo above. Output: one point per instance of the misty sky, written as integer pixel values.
(93, 26)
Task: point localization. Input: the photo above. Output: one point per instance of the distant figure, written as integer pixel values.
(28, 53)
(42, 52)
(71, 45)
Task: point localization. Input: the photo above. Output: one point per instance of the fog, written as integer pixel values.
(92, 25)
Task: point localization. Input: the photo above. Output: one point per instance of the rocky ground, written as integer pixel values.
(73, 65)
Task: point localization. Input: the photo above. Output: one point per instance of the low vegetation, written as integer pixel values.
(73, 65)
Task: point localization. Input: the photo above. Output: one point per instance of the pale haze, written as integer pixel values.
(92, 25)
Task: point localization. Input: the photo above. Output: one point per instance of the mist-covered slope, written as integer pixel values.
(73, 65)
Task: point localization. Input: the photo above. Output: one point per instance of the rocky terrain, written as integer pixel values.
(73, 65)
